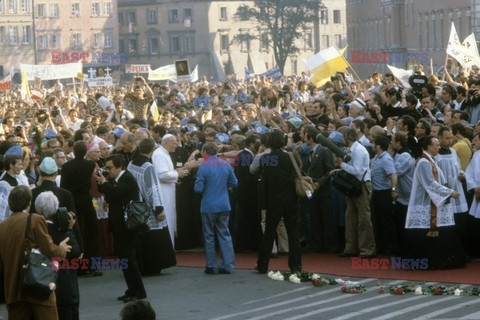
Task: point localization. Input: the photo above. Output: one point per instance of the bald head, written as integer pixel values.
(128, 140)
(169, 142)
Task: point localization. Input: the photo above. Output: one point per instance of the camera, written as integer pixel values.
(62, 219)
(226, 112)
(417, 82)
(18, 128)
(55, 112)
(101, 171)
(471, 92)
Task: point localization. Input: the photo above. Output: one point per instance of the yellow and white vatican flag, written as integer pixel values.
(325, 64)
(154, 111)
(24, 88)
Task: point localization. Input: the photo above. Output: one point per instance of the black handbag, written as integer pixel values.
(39, 274)
(138, 213)
(347, 183)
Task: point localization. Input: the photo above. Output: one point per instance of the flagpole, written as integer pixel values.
(350, 66)
(444, 66)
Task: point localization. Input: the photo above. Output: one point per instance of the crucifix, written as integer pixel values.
(107, 70)
(92, 72)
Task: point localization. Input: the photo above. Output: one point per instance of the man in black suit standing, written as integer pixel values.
(323, 226)
(76, 178)
(248, 231)
(119, 191)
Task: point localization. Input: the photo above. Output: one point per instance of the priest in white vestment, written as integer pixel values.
(472, 174)
(168, 177)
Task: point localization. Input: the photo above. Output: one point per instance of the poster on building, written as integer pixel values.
(137, 68)
(51, 71)
(100, 82)
(182, 70)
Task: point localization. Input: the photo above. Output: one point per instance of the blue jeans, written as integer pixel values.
(217, 223)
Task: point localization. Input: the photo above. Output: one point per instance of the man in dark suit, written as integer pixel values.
(127, 147)
(323, 226)
(248, 232)
(119, 191)
(76, 178)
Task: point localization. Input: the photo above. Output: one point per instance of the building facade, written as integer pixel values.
(402, 27)
(16, 34)
(158, 32)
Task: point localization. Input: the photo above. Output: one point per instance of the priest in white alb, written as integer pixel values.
(472, 174)
(168, 177)
(430, 225)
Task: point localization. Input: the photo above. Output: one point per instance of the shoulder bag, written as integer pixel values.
(137, 215)
(303, 185)
(39, 274)
(348, 183)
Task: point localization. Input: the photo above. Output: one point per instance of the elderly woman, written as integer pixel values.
(22, 305)
(60, 227)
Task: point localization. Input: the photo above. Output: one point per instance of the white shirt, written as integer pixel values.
(119, 176)
(359, 165)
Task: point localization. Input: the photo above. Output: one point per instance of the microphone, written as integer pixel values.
(327, 143)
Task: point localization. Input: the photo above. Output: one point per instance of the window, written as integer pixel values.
(121, 46)
(55, 41)
(54, 10)
(75, 9)
(336, 16)
(131, 17)
(264, 41)
(24, 6)
(120, 19)
(107, 9)
(42, 10)
(224, 42)
(245, 45)
(308, 39)
(77, 40)
(1, 6)
(151, 16)
(13, 35)
(43, 42)
(12, 6)
(27, 34)
(107, 40)
(187, 14)
(294, 65)
(189, 44)
(132, 46)
(223, 13)
(324, 16)
(325, 42)
(173, 16)
(175, 46)
(2, 34)
(153, 46)
(95, 9)
(97, 40)
(338, 40)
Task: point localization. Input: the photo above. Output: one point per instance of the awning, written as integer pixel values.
(257, 63)
(217, 62)
(238, 61)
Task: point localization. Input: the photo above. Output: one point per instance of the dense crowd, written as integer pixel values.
(414, 152)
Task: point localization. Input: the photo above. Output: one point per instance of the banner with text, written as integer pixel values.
(6, 83)
(100, 82)
(137, 68)
(51, 71)
(163, 73)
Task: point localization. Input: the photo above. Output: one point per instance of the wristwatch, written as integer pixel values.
(394, 189)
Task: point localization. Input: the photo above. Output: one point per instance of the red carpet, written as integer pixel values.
(334, 265)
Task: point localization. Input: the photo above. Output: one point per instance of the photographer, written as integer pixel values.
(60, 223)
(472, 103)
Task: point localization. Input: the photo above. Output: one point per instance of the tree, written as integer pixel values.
(284, 20)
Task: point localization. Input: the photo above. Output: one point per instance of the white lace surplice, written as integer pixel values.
(424, 191)
(149, 186)
(472, 174)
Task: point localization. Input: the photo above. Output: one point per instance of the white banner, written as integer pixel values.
(100, 82)
(402, 75)
(163, 73)
(51, 71)
(137, 68)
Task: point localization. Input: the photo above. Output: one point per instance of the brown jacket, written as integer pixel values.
(12, 236)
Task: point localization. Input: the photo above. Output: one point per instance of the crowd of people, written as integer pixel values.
(218, 160)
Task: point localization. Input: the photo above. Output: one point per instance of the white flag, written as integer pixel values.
(194, 74)
(471, 45)
(402, 75)
(457, 51)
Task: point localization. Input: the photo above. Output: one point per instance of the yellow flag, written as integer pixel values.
(342, 51)
(24, 88)
(325, 64)
(154, 111)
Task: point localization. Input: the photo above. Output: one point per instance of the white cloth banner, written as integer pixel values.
(52, 71)
(163, 73)
(137, 68)
(401, 74)
(100, 82)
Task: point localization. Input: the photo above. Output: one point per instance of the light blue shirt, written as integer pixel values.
(359, 165)
(382, 168)
(214, 176)
(405, 167)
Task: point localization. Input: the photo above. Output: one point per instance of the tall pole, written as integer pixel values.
(34, 38)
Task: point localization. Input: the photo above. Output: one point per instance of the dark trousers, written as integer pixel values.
(124, 243)
(400, 216)
(324, 233)
(273, 216)
(68, 312)
(87, 219)
(248, 230)
(27, 311)
(383, 222)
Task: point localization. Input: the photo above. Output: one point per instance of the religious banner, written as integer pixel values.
(100, 82)
(6, 83)
(137, 68)
(51, 71)
(182, 70)
(163, 73)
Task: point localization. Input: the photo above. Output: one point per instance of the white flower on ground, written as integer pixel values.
(294, 279)
(418, 291)
(458, 292)
(278, 276)
(315, 276)
(270, 274)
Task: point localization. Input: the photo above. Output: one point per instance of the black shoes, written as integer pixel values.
(209, 271)
(128, 298)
